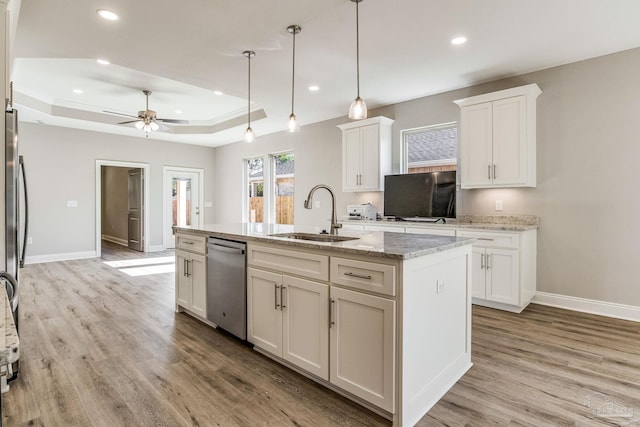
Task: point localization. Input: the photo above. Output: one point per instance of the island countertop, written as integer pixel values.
(381, 244)
(10, 343)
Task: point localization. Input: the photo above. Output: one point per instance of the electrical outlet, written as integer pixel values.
(316, 204)
(29, 240)
(439, 286)
(498, 205)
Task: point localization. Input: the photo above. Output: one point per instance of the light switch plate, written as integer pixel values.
(208, 204)
(72, 203)
(316, 204)
(498, 205)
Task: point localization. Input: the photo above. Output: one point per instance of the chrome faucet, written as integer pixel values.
(308, 202)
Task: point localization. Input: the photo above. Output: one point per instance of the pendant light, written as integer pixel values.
(249, 136)
(293, 122)
(358, 109)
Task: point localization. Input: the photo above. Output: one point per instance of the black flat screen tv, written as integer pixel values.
(420, 195)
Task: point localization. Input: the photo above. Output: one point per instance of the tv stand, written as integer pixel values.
(423, 219)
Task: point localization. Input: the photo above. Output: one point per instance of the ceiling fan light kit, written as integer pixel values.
(358, 108)
(293, 125)
(249, 135)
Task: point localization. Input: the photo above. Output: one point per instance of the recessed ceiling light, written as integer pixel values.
(314, 88)
(217, 92)
(102, 61)
(107, 14)
(78, 91)
(459, 40)
(177, 111)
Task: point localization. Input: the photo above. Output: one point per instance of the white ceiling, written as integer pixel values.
(184, 51)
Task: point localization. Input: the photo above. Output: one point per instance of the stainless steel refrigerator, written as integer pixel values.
(16, 215)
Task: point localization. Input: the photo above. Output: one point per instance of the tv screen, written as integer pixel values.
(424, 195)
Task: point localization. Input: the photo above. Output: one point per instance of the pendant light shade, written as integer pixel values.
(249, 136)
(358, 109)
(293, 125)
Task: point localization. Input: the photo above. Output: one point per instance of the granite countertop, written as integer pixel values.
(478, 222)
(9, 341)
(369, 243)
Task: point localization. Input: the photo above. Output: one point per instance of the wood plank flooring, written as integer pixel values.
(102, 348)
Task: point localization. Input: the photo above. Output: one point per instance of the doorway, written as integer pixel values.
(182, 194)
(122, 195)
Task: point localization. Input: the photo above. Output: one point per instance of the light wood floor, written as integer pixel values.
(101, 348)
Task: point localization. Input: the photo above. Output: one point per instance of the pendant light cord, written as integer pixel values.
(293, 72)
(358, 47)
(249, 94)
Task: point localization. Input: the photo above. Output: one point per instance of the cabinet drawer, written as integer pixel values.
(434, 231)
(368, 276)
(391, 228)
(304, 264)
(191, 243)
(489, 239)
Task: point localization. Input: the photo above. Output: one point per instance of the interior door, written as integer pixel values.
(183, 208)
(136, 210)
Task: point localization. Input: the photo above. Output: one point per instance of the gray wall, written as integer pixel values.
(587, 165)
(115, 202)
(61, 166)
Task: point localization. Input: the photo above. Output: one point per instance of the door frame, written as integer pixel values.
(166, 208)
(147, 190)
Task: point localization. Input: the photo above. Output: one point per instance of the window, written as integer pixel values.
(255, 189)
(283, 187)
(269, 192)
(430, 148)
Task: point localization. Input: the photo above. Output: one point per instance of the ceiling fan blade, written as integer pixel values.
(181, 122)
(118, 114)
(130, 121)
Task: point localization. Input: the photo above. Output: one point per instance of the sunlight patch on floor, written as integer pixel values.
(141, 261)
(150, 269)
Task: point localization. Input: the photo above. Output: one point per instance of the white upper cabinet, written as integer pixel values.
(498, 138)
(366, 154)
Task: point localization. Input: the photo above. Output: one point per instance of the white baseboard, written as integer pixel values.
(116, 240)
(602, 308)
(37, 259)
(156, 248)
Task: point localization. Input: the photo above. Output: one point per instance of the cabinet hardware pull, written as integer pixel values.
(488, 261)
(481, 261)
(282, 306)
(186, 242)
(485, 238)
(488, 171)
(331, 311)
(350, 274)
(275, 296)
(184, 267)
(494, 171)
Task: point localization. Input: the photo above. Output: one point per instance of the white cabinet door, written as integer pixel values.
(198, 275)
(509, 142)
(370, 155)
(306, 325)
(502, 276)
(264, 316)
(183, 283)
(362, 346)
(351, 159)
(478, 279)
(476, 149)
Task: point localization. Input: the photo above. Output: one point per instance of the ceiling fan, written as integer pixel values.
(147, 120)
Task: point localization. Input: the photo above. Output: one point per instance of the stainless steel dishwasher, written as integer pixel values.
(227, 285)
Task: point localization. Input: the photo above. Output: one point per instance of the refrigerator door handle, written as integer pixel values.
(26, 212)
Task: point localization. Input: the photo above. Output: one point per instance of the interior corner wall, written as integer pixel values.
(115, 203)
(61, 166)
(587, 169)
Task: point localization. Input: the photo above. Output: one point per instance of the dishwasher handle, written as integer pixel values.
(228, 249)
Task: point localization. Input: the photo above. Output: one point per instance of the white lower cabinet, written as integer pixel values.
(288, 317)
(191, 282)
(363, 346)
(495, 271)
(503, 268)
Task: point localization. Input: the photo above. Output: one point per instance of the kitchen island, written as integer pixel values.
(383, 319)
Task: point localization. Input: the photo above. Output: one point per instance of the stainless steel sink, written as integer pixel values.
(314, 237)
